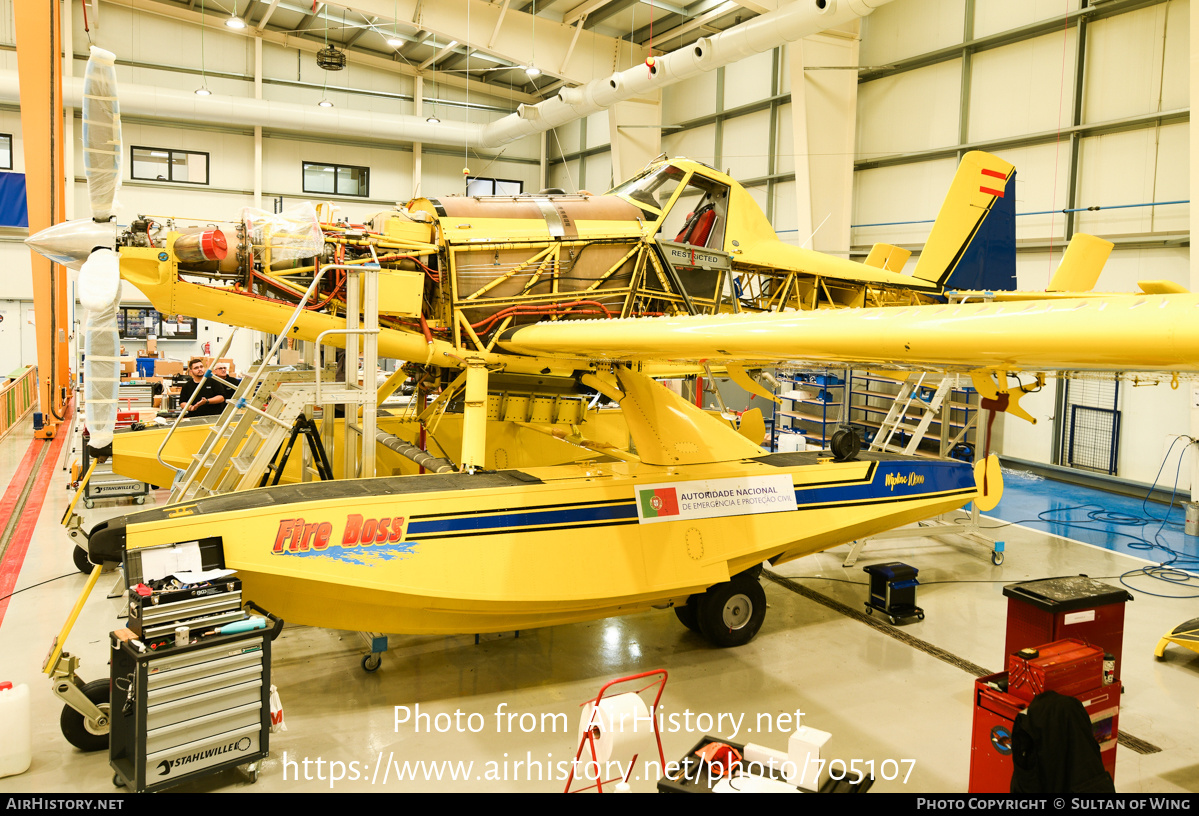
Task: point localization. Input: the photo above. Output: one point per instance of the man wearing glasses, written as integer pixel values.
(211, 396)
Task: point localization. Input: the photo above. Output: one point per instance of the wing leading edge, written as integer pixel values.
(1120, 333)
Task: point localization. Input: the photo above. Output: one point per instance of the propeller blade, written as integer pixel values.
(101, 133)
(100, 280)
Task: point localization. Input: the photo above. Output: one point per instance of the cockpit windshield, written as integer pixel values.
(652, 190)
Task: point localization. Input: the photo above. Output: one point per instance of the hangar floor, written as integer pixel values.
(883, 692)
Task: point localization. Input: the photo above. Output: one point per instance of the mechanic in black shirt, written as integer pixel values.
(210, 401)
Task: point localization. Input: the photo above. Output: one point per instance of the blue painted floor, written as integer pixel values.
(1149, 530)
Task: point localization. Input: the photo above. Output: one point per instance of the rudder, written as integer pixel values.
(972, 244)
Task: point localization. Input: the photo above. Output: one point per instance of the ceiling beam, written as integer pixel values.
(433, 59)
(495, 32)
(266, 15)
(714, 10)
(608, 10)
(317, 8)
(758, 6)
(583, 10)
(370, 26)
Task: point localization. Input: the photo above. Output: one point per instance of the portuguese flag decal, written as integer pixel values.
(658, 503)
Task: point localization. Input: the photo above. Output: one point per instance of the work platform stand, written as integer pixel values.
(356, 442)
(357, 438)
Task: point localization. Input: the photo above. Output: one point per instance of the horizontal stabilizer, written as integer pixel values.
(1162, 287)
(1081, 264)
(886, 256)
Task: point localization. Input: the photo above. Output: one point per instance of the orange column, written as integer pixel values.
(39, 65)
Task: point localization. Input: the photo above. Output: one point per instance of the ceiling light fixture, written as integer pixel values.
(203, 91)
(325, 103)
(433, 120)
(394, 42)
(235, 22)
(532, 71)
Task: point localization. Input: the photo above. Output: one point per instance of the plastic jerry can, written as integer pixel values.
(16, 749)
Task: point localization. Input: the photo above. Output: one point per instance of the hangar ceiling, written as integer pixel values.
(569, 42)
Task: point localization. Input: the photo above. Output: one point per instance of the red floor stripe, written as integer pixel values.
(18, 482)
(14, 559)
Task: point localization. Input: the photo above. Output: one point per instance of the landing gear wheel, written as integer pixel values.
(997, 558)
(81, 562)
(81, 732)
(688, 614)
(730, 614)
(372, 662)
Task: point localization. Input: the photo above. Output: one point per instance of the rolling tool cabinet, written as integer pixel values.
(189, 711)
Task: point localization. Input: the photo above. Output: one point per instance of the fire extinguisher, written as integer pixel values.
(207, 349)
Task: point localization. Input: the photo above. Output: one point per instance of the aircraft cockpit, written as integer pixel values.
(684, 206)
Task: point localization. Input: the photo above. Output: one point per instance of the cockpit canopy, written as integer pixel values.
(685, 205)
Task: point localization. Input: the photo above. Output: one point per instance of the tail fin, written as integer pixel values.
(973, 241)
(1081, 264)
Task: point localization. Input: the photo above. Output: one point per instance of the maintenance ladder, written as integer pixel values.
(266, 405)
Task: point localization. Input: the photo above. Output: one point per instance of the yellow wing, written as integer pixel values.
(1122, 333)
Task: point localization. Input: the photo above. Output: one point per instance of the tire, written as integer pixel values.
(997, 558)
(730, 614)
(81, 562)
(75, 727)
(688, 614)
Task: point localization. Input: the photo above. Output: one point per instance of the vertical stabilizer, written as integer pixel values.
(1081, 264)
(973, 241)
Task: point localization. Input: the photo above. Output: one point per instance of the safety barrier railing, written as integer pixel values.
(17, 398)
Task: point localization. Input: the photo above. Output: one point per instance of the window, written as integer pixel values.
(161, 164)
(336, 179)
(493, 186)
(138, 323)
(5, 151)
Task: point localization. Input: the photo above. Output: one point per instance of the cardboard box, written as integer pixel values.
(151, 346)
(169, 368)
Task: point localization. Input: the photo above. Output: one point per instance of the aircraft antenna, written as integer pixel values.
(804, 245)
